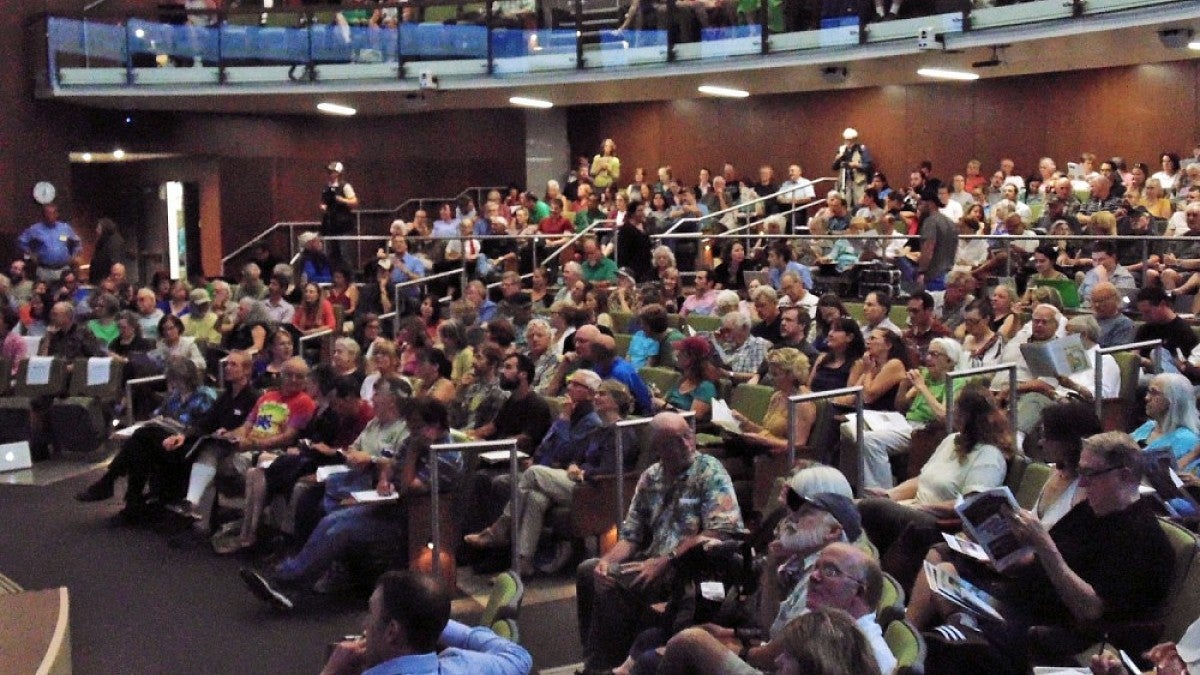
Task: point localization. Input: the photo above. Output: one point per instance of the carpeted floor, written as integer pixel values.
(141, 606)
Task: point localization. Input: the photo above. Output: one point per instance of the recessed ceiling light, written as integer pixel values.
(1194, 45)
(727, 92)
(336, 108)
(945, 74)
(87, 156)
(118, 154)
(526, 102)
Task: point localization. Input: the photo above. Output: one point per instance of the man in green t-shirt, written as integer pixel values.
(596, 267)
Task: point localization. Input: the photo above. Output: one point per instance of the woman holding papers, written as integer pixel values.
(1174, 423)
(922, 399)
(186, 402)
(972, 459)
(788, 368)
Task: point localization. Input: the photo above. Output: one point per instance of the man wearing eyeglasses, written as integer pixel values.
(843, 576)
(1107, 561)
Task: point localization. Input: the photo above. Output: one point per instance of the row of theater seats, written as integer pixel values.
(78, 399)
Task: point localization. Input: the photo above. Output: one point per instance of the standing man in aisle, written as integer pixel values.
(939, 242)
(854, 166)
(338, 202)
(50, 243)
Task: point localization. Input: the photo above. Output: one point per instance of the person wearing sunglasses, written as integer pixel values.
(1105, 562)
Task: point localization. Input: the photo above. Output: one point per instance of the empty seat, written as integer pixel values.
(80, 422)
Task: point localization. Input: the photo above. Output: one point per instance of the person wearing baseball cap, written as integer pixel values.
(338, 202)
(939, 243)
(200, 323)
(854, 166)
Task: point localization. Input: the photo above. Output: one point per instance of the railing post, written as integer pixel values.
(672, 33)
(620, 447)
(222, 74)
(311, 66)
(128, 56)
(855, 477)
(491, 49)
(578, 34)
(764, 23)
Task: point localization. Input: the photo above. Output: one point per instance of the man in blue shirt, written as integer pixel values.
(779, 260)
(50, 243)
(446, 226)
(407, 616)
(406, 266)
(609, 366)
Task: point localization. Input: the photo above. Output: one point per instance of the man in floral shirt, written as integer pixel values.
(682, 501)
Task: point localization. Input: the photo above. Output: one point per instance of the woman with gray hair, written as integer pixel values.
(186, 402)
(1174, 423)
(251, 326)
(538, 339)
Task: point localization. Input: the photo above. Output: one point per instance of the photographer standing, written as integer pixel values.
(854, 166)
(337, 204)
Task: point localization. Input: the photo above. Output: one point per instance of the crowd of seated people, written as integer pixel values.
(554, 360)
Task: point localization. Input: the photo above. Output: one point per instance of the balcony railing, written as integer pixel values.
(417, 40)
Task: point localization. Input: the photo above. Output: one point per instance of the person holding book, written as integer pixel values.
(1033, 392)
(1106, 561)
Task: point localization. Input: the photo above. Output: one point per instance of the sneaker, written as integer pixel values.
(263, 590)
(184, 508)
(96, 492)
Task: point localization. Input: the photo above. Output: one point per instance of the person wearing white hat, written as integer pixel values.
(338, 202)
(854, 164)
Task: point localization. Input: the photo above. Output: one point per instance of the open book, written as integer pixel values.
(988, 518)
(961, 592)
(722, 416)
(1064, 356)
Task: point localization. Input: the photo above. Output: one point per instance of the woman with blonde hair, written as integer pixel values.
(787, 369)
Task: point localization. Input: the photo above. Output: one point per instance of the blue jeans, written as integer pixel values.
(340, 485)
(338, 533)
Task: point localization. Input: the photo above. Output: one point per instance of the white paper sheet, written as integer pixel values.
(38, 370)
(98, 370)
(324, 472)
(367, 496)
(722, 416)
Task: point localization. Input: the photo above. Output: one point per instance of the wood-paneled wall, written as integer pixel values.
(1134, 112)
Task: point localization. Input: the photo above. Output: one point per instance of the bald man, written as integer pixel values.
(609, 366)
(683, 500)
(1115, 327)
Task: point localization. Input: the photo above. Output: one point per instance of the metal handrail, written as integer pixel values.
(291, 225)
(129, 385)
(574, 238)
(314, 336)
(436, 529)
(984, 370)
(1156, 356)
(859, 404)
(738, 207)
(461, 271)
